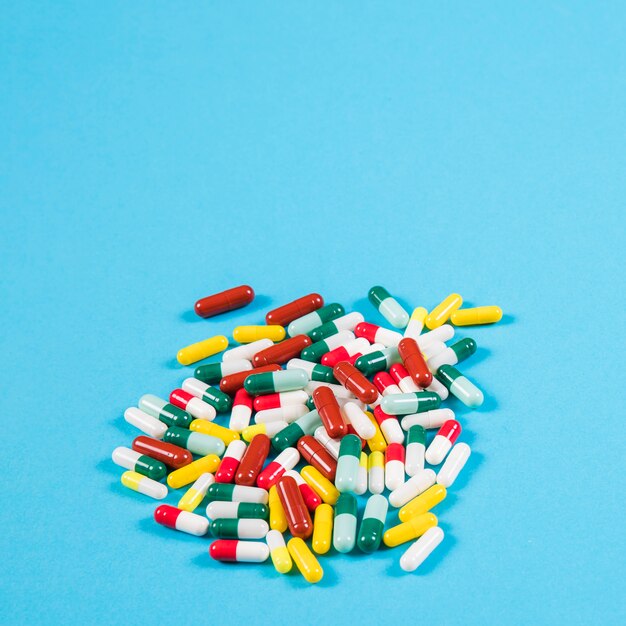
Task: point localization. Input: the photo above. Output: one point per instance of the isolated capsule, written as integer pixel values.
(305, 425)
(281, 352)
(286, 313)
(320, 484)
(428, 419)
(371, 529)
(239, 528)
(142, 484)
(195, 494)
(378, 334)
(235, 550)
(419, 551)
(214, 372)
(423, 502)
(274, 382)
(214, 430)
(196, 443)
(348, 464)
(278, 552)
(460, 386)
(456, 353)
(442, 312)
(145, 422)
(376, 472)
(411, 529)
(415, 450)
(405, 403)
(252, 461)
(184, 521)
(250, 334)
(202, 349)
(315, 371)
(305, 561)
(306, 323)
(224, 301)
(443, 442)
(416, 322)
(212, 395)
(354, 381)
(237, 493)
(457, 458)
(388, 307)
(171, 455)
(241, 412)
(476, 315)
(164, 411)
(194, 406)
(344, 524)
(189, 473)
(244, 352)
(140, 463)
(412, 488)
(377, 361)
(345, 322)
(236, 510)
(414, 362)
(394, 466)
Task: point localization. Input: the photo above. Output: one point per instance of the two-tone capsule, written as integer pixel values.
(142, 484)
(394, 466)
(376, 472)
(350, 352)
(456, 353)
(286, 313)
(278, 552)
(371, 529)
(236, 510)
(405, 403)
(285, 461)
(389, 425)
(416, 322)
(221, 401)
(237, 551)
(306, 323)
(241, 412)
(195, 494)
(427, 419)
(196, 443)
(415, 450)
(275, 382)
(230, 462)
(348, 464)
(239, 528)
(377, 361)
(305, 425)
(388, 307)
(460, 386)
(237, 493)
(378, 334)
(164, 411)
(344, 525)
(315, 371)
(140, 463)
(317, 350)
(443, 442)
(214, 372)
(194, 406)
(177, 519)
(345, 322)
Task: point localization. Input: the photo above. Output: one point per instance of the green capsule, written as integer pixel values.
(388, 307)
(344, 525)
(164, 411)
(214, 372)
(378, 361)
(460, 386)
(416, 434)
(310, 404)
(373, 523)
(227, 492)
(406, 403)
(218, 399)
(236, 510)
(140, 463)
(308, 322)
(239, 528)
(288, 436)
(346, 322)
(196, 443)
(276, 382)
(348, 464)
(322, 374)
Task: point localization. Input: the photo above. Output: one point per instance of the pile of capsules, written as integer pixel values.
(352, 404)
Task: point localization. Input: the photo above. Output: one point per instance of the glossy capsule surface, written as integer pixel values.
(306, 323)
(456, 460)
(142, 484)
(415, 450)
(231, 383)
(196, 443)
(278, 552)
(288, 414)
(284, 462)
(189, 473)
(296, 512)
(322, 529)
(274, 382)
(348, 464)
(412, 488)
(389, 426)
(252, 461)
(173, 456)
(416, 322)
(377, 442)
(376, 472)
(394, 466)
(177, 519)
(355, 382)
(241, 413)
(146, 423)
(194, 406)
(427, 419)
(224, 301)
(358, 419)
(280, 400)
(442, 312)
(411, 529)
(349, 351)
(377, 334)
(195, 494)
(406, 403)
(314, 453)
(271, 429)
(281, 352)
(317, 350)
(164, 411)
(315, 371)
(305, 425)
(237, 493)
(140, 463)
(311, 499)
(236, 510)
(305, 561)
(345, 322)
(443, 442)
(456, 353)
(388, 307)
(286, 313)
(325, 489)
(214, 430)
(422, 503)
(249, 334)
(278, 519)
(245, 351)
(344, 524)
(230, 462)
(377, 361)
(371, 529)
(212, 373)
(234, 528)
(237, 551)
(221, 401)
(419, 551)
(476, 316)
(414, 362)
(329, 412)
(202, 349)
(460, 386)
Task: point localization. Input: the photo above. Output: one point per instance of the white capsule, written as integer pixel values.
(374, 347)
(252, 528)
(414, 461)
(447, 356)
(416, 324)
(195, 387)
(240, 416)
(201, 410)
(251, 552)
(454, 464)
(288, 398)
(331, 445)
(408, 385)
(392, 431)
(287, 459)
(246, 351)
(419, 551)
(443, 333)
(412, 488)
(125, 457)
(389, 338)
(339, 339)
(192, 523)
(428, 419)
(339, 390)
(362, 424)
(394, 474)
(301, 364)
(349, 321)
(234, 366)
(343, 401)
(142, 484)
(273, 428)
(356, 346)
(391, 390)
(145, 423)
(438, 449)
(242, 493)
(376, 479)
(222, 510)
(438, 388)
(361, 477)
(289, 413)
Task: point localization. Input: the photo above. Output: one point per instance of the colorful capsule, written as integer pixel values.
(378, 334)
(372, 525)
(322, 529)
(145, 423)
(278, 519)
(286, 313)
(278, 552)
(345, 322)
(274, 382)
(268, 428)
(231, 383)
(320, 484)
(202, 350)
(296, 511)
(422, 503)
(214, 430)
(189, 473)
(377, 361)
(456, 353)
(239, 528)
(361, 480)
(212, 395)
(378, 441)
(230, 462)
(236, 510)
(171, 455)
(442, 312)
(443, 442)
(330, 445)
(405, 403)
(280, 400)
(241, 412)
(305, 561)
(350, 352)
(402, 378)
(443, 333)
(355, 416)
(411, 529)
(454, 464)
(394, 466)
(142, 484)
(427, 420)
(252, 461)
(214, 372)
(354, 381)
(281, 352)
(306, 323)
(415, 449)
(245, 352)
(316, 351)
(285, 461)
(140, 463)
(184, 521)
(314, 453)
(234, 550)
(195, 494)
(310, 497)
(224, 301)
(476, 315)
(305, 425)
(376, 472)
(389, 426)
(344, 525)
(438, 388)
(460, 386)
(412, 488)
(416, 323)
(315, 371)
(164, 411)
(250, 334)
(417, 553)
(339, 391)
(386, 384)
(414, 362)
(388, 307)
(196, 443)
(194, 406)
(348, 464)
(287, 414)
(329, 412)
(433, 349)
(226, 492)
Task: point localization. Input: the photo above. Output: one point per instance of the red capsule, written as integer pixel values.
(167, 453)
(224, 550)
(296, 512)
(230, 462)
(181, 398)
(382, 380)
(414, 362)
(353, 380)
(233, 382)
(167, 515)
(281, 352)
(228, 300)
(329, 412)
(252, 461)
(317, 455)
(450, 429)
(293, 310)
(394, 452)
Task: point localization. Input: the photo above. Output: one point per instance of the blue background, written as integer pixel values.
(156, 152)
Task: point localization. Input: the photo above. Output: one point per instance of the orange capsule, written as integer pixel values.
(353, 380)
(414, 362)
(228, 300)
(296, 512)
(293, 310)
(329, 412)
(317, 455)
(252, 460)
(281, 352)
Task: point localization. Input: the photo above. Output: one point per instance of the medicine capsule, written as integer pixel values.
(142, 484)
(202, 350)
(214, 372)
(345, 322)
(359, 420)
(386, 384)
(389, 426)
(432, 349)
(316, 351)
(184, 521)
(233, 382)
(405, 403)
(344, 526)
(372, 525)
(236, 510)
(164, 411)
(145, 423)
(412, 488)
(310, 497)
(224, 301)
(460, 386)
(339, 391)
(378, 334)
(278, 552)
(214, 430)
(286, 414)
(194, 406)
(241, 412)
(239, 528)
(305, 425)
(322, 529)
(348, 464)
(212, 395)
(376, 472)
(422, 503)
(250, 334)
(416, 323)
(388, 307)
(476, 315)
(298, 516)
(349, 352)
(411, 529)
(252, 461)
(320, 484)
(438, 388)
(189, 473)
(140, 463)
(293, 310)
(421, 549)
(329, 412)
(285, 461)
(415, 449)
(314, 453)
(281, 352)
(244, 352)
(308, 565)
(414, 362)
(428, 419)
(306, 323)
(442, 312)
(267, 428)
(226, 492)
(443, 442)
(456, 353)
(361, 480)
(330, 445)
(273, 382)
(196, 443)
(394, 466)
(278, 519)
(442, 333)
(454, 464)
(280, 400)
(195, 494)
(171, 455)
(354, 381)
(377, 361)
(378, 441)
(315, 371)
(230, 462)
(234, 550)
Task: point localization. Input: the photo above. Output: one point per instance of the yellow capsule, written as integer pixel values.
(320, 484)
(278, 519)
(248, 433)
(143, 484)
(215, 430)
(419, 314)
(442, 312)
(422, 503)
(305, 560)
(202, 349)
(412, 529)
(377, 443)
(476, 315)
(248, 334)
(376, 460)
(195, 494)
(188, 473)
(322, 529)
(278, 551)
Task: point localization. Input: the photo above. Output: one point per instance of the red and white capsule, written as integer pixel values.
(188, 402)
(233, 550)
(389, 426)
(386, 384)
(443, 442)
(348, 352)
(311, 499)
(241, 412)
(403, 379)
(378, 334)
(284, 462)
(280, 400)
(184, 521)
(287, 414)
(394, 466)
(230, 462)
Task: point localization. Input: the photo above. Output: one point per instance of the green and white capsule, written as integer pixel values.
(460, 386)
(317, 350)
(345, 322)
(388, 307)
(344, 525)
(226, 492)
(405, 403)
(196, 443)
(415, 450)
(164, 411)
(305, 425)
(456, 353)
(305, 324)
(239, 528)
(221, 401)
(348, 464)
(140, 463)
(378, 361)
(372, 524)
(236, 510)
(315, 371)
(214, 372)
(275, 382)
